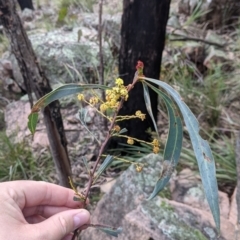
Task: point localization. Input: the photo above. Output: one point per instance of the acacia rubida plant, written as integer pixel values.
(114, 98)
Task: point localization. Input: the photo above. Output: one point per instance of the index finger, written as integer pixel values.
(33, 193)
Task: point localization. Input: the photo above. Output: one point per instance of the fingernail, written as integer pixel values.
(81, 218)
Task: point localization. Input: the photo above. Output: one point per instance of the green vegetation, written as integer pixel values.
(222, 149)
(17, 162)
(3, 43)
(65, 13)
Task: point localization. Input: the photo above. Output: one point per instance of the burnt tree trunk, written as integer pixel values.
(142, 38)
(36, 80)
(26, 4)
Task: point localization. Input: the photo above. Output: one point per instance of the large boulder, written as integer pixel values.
(126, 205)
(16, 119)
(71, 54)
(187, 188)
(64, 58)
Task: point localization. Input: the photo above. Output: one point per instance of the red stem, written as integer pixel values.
(91, 177)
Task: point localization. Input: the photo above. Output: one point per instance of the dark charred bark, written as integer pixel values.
(26, 4)
(35, 80)
(142, 38)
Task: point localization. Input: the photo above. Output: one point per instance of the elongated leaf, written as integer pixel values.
(123, 131)
(83, 116)
(106, 229)
(107, 161)
(202, 151)
(111, 231)
(173, 146)
(149, 106)
(32, 122)
(60, 92)
(160, 185)
(63, 91)
(77, 199)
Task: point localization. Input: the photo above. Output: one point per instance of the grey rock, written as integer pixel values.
(212, 36)
(216, 57)
(111, 25)
(17, 76)
(187, 188)
(173, 21)
(29, 26)
(5, 72)
(128, 192)
(125, 205)
(233, 214)
(65, 57)
(48, 12)
(16, 118)
(184, 7)
(27, 15)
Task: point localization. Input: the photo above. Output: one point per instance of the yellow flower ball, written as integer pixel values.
(138, 113)
(123, 92)
(93, 100)
(108, 91)
(117, 128)
(156, 149)
(116, 89)
(155, 142)
(142, 116)
(119, 82)
(80, 97)
(103, 107)
(130, 141)
(139, 168)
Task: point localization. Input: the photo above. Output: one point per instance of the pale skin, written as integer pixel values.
(31, 210)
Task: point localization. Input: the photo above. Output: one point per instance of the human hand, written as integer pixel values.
(31, 210)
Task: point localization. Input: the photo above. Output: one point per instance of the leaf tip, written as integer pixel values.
(114, 232)
(32, 122)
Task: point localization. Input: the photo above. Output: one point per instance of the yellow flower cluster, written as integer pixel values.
(155, 144)
(114, 95)
(140, 115)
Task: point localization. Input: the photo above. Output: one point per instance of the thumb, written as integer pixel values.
(61, 224)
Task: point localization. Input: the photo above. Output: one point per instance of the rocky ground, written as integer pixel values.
(69, 53)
